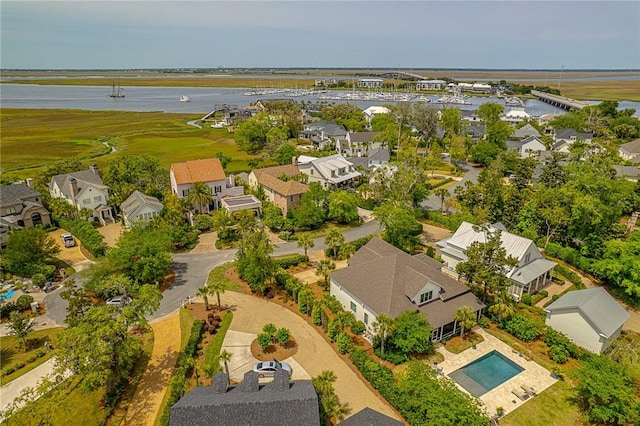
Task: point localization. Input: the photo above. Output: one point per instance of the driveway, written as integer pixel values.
(70, 255)
(470, 174)
(314, 354)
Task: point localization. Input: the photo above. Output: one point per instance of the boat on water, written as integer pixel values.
(453, 99)
(513, 101)
(116, 91)
(184, 99)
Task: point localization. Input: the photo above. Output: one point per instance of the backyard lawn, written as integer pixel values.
(13, 356)
(553, 407)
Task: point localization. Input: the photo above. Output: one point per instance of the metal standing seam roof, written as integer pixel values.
(598, 307)
(193, 171)
(132, 206)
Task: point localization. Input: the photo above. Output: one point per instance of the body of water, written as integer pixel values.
(202, 99)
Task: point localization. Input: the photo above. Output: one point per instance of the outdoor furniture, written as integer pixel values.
(529, 390)
(522, 395)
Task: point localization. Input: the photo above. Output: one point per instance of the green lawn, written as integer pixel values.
(218, 274)
(326, 228)
(553, 407)
(31, 139)
(12, 354)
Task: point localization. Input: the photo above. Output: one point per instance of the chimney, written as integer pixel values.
(250, 382)
(29, 182)
(219, 383)
(73, 188)
(281, 380)
(94, 168)
(294, 160)
(232, 180)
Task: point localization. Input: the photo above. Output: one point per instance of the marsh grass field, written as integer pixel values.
(617, 85)
(32, 139)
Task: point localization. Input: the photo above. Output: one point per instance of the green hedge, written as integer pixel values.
(90, 238)
(212, 353)
(290, 261)
(182, 372)
(571, 276)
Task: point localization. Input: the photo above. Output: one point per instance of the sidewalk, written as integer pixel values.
(14, 388)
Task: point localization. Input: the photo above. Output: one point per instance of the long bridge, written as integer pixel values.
(559, 101)
(402, 75)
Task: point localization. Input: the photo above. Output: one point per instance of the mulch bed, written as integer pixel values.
(274, 352)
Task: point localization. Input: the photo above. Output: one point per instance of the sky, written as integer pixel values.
(320, 34)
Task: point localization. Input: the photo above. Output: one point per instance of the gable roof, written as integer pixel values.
(627, 171)
(16, 193)
(278, 403)
(385, 279)
(632, 147)
(137, 201)
(370, 417)
(597, 306)
(361, 137)
(324, 166)
(568, 133)
(526, 130)
(379, 154)
(269, 177)
(207, 170)
(83, 179)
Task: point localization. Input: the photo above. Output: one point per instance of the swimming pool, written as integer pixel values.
(8, 294)
(485, 373)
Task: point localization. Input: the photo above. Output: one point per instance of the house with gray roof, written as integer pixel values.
(531, 274)
(357, 144)
(524, 132)
(370, 417)
(591, 318)
(376, 158)
(630, 151)
(528, 147)
(139, 207)
(331, 172)
(381, 278)
(21, 206)
(570, 136)
(323, 133)
(84, 190)
(631, 173)
(282, 402)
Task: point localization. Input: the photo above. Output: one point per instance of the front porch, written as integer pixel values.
(104, 215)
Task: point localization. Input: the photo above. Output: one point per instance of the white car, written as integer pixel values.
(119, 301)
(68, 240)
(269, 368)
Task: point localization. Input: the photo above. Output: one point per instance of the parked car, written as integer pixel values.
(49, 286)
(68, 240)
(119, 301)
(268, 368)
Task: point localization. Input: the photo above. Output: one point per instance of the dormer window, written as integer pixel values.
(425, 297)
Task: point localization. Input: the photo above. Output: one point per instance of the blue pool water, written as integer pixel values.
(485, 373)
(7, 295)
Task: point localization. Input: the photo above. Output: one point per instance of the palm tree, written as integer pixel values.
(466, 318)
(217, 287)
(325, 267)
(199, 195)
(383, 326)
(442, 193)
(333, 240)
(225, 357)
(306, 243)
(204, 292)
(323, 382)
(503, 306)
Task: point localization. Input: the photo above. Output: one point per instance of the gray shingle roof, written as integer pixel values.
(632, 147)
(385, 279)
(82, 177)
(596, 305)
(137, 201)
(15, 193)
(369, 417)
(627, 171)
(526, 130)
(568, 133)
(279, 403)
(379, 154)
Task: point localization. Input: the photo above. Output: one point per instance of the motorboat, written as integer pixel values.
(184, 99)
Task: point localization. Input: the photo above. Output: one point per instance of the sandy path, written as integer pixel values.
(314, 353)
(155, 381)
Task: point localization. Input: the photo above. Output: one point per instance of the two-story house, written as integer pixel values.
(564, 138)
(84, 190)
(527, 147)
(323, 133)
(208, 171)
(21, 206)
(531, 274)
(357, 144)
(372, 111)
(281, 184)
(381, 278)
(331, 172)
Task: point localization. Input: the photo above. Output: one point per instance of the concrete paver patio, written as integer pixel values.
(534, 375)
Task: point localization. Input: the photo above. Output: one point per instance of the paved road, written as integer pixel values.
(470, 174)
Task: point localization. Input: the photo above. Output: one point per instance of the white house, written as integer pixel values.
(323, 133)
(525, 131)
(527, 147)
(515, 115)
(357, 144)
(208, 171)
(383, 279)
(531, 274)
(84, 190)
(370, 83)
(430, 84)
(372, 111)
(630, 151)
(139, 207)
(333, 171)
(591, 318)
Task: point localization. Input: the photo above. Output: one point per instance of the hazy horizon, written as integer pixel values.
(475, 35)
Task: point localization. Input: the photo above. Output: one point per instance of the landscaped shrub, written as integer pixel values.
(38, 279)
(203, 222)
(7, 308)
(544, 293)
(555, 297)
(333, 304)
(24, 302)
(526, 299)
(290, 261)
(521, 327)
(316, 314)
(90, 238)
(344, 343)
(558, 354)
(358, 327)
(484, 322)
(391, 355)
(283, 335)
(264, 340)
(555, 338)
(333, 329)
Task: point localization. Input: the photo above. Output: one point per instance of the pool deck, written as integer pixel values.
(533, 376)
